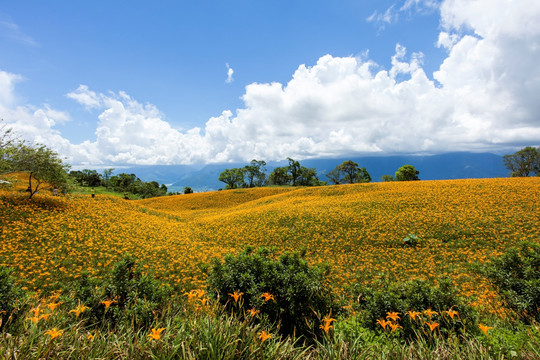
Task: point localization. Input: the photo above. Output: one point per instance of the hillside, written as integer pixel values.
(357, 229)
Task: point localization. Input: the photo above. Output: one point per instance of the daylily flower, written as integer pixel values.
(263, 336)
(236, 295)
(484, 328)
(156, 333)
(393, 315)
(267, 296)
(54, 332)
(432, 325)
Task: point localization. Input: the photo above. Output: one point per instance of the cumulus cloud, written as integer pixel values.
(482, 98)
(230, 73)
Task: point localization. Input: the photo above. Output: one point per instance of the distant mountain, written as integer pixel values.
(460, 165)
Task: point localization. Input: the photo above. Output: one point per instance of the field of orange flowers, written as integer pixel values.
(357, 229)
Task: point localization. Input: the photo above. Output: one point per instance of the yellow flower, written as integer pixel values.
(236, 295)
(90, 336)
(327, 323)
(393, 315)
(54, 332)
(267, 297)
(156, 333)
(432, 325)
(484, 328)
(263, 336)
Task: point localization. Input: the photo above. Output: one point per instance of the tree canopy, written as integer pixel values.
(348, 173)
(524, 162)
(407, 173)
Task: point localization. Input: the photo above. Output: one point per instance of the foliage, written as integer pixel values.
(377, 300)
(11, 299)
(298, 291)
(233, 178)
(387, 178)
(42, 164)
(516, 274)
(349, 173)
(87, 177)
(411, 240)
(132, 294)
(523, 162)
(255, 173)
(406, 173)
(279, 176)
(188, 190)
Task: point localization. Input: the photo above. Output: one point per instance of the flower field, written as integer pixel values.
(357, 229)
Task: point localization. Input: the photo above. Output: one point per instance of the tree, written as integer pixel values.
(234, 178)
(524, 162)
(407, 173)
(42, 164)
(255, 173)
(293, 169)
(349, 172)
(307, 177)
(188, 190)
(280, 176)
(107, 173)
(335, 175)
(387, 178)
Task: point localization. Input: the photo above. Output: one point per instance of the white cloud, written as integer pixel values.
(230, 73)
(13, 31)
(484, 98)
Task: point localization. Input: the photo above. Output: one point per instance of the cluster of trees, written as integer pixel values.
(294, 174)
(524, 162)
(254, 175)
(124, 183)
(348, 173)
(251, 175)
(404, 173)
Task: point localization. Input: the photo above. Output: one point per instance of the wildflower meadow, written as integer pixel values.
(428, 233)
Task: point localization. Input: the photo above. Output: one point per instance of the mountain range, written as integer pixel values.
(461, 165)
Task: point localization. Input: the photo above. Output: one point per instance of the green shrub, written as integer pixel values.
(134, 296)
(375, 301)
(516, 274)
(301, 293)
(11, 299)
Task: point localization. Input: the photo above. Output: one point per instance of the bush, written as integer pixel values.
(11, 299)
(516, 274)
(376, 301)
(132, 295)
(301, 293)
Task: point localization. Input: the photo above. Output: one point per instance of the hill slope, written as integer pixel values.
(357, 229)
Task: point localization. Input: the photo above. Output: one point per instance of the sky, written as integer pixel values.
(112, 83)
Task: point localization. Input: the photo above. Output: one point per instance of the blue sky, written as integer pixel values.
(169, 82)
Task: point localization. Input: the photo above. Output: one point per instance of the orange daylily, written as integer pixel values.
(54, 332)
(236, 295)
(393, 315)
(413, 314)
(430, 313)
(263, 336)
(156, 333)
(484, 328)
(432, 325)
(267, 296)
(108, 303)
(452, 313)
